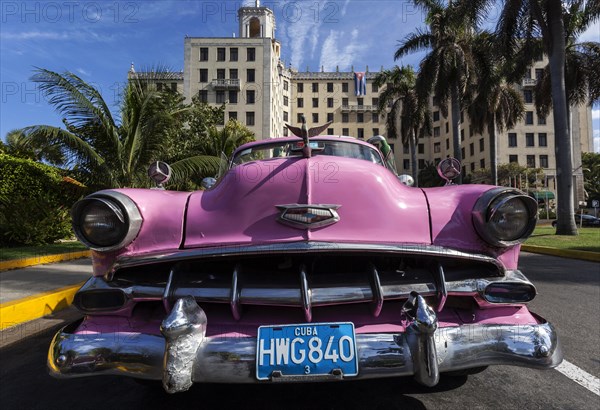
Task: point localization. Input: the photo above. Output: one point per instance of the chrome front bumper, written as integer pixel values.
(185, 355)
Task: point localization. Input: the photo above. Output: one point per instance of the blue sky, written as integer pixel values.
(98, 40)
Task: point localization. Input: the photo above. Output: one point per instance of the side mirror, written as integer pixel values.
(208, 182)
(160, 173)
(406, 179)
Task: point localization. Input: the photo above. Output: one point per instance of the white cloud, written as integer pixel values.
(596, 114)
(345, 7)
(301, 28)
(592, 33)
(83, 72)
(596, 139)
(341, 50)
(32, 35)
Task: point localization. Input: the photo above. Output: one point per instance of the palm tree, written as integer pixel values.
(521, 23)
(404, 105)
(108, 152)
(17, 145)
(446, 70)
(494, 103)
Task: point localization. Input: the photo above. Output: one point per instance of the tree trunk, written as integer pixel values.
(455, 101)
(413, 158)
(493, 150)
(564, 165)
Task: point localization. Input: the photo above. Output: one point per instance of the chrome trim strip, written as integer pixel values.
(168, 289)
(442, 291)
(235, 294)
(232, 359)
(306, 294)
(377, 291)
(300, 247)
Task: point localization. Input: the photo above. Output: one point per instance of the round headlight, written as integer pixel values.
(106, 221)
(505, 217)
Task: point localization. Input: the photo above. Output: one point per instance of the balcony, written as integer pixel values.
(529, 82)
(226, 84)
(359, 108)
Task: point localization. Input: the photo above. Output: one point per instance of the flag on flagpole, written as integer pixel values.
(360, 84)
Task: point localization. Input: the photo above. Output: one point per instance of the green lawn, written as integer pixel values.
(587, 240)
(22, 252)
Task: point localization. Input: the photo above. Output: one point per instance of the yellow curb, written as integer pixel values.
(33, 307)
(565, 253)
(40, 260)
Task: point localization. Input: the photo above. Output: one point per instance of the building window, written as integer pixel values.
(360, 101)
(481, 144)
(173, 86)
(233, 97)
(250, 118)
(375, 102)
(512, 139)
(542, 139)
(482, 163)
(251, 54)
(421, 148)
(329, 117)
(437, 147)
(220, 74)
(544, 161)
(233, 73)
(220, 97)
(344, 87)
(315, 118)
(528, 96)
(421, 163)
(447, 143)
(462, 134)
(250, 97)
(361, 133)
(529, 117)
(375, 131)
(375, 88)
(436, 115)
(203, 53)
(203, 95)
(299, 117)
(529, 139)
(406, 164)
(436, 131)
(539, 72)
(329, 87)
(286, 85)
(345, 102)
(286, 101)
(447, 127)
(345, 131)
(233, 115)
(285, 116)
(159, 86)
(405, 149)
(462, 152)
(375, 117)
(285, 131)
(300, 87)
(541, 120)
(315, 102)
(233, 54)
(315, 87)
(513, 159)
(221, 54)
(530, 161)
(330, 131)
(471, 149)
(360, 117)
(344, 117)
(472, 166)
(204, 75)
(300, 102)
(250, 75)
(330, 103)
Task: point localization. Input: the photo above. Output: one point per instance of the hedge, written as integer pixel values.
(34, 202)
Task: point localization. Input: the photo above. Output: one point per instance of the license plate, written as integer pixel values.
(306, 349)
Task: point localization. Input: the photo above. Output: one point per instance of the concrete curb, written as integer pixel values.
(565, 253)
(33, 307)
(41, 260)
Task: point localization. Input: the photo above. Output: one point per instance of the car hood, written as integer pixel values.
(374, 207)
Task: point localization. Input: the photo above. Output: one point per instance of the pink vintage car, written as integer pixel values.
(307, 260)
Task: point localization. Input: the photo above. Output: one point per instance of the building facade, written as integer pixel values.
(245, 72)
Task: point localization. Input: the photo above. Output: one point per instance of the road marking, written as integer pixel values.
(580, 376)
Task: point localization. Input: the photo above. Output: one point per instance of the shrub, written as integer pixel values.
(34, 202)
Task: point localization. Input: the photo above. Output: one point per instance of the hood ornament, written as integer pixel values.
(306, 133)
(306, 216)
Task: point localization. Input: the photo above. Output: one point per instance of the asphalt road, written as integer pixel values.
(569, 296)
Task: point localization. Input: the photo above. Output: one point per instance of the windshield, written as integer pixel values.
(320, 147)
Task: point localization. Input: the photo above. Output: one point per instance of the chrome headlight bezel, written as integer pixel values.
(491, 204)
(124, 209)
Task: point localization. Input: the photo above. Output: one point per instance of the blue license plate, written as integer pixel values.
(310, 349)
